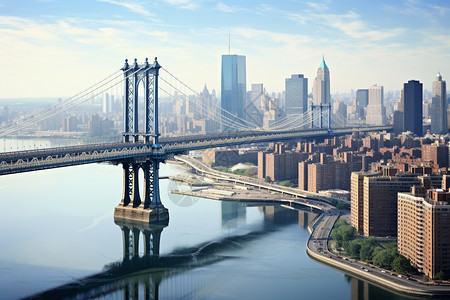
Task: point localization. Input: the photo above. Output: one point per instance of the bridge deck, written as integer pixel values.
(31, 160)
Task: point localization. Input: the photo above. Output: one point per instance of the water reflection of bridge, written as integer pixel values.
(148, 275)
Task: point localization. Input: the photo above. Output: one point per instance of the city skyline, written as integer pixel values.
(53, 45)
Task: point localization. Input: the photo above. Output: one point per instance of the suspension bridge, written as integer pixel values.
(142, 146)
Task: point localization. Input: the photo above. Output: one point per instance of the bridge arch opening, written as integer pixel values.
(141, 104)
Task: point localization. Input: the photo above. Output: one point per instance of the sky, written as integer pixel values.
(57, 48)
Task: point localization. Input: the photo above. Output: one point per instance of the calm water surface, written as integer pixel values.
(57, 227)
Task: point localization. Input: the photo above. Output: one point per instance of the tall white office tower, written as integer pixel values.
(321, 88)
(439, 106)
(376, 112)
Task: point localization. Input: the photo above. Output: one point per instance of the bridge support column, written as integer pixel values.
(148, 184)
(152, 210)
(321, 115)
(135, 236)
(126, 242)
(156, 198)
(127, 183)
(136, 198)
(329, 116)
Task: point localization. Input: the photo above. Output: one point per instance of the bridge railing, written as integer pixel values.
(23, 161)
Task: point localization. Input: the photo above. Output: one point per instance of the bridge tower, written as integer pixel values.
(321, 108)
(131, 206)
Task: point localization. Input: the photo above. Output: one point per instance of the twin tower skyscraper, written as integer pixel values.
(234, 91)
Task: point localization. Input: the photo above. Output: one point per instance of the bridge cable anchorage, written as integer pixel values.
(88, 94)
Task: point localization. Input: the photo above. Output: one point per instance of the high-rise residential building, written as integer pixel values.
(380, 203)
(376, 112)
(439, 106)
(437, 154)
(233, 89)
(357, 199)
(321, 88)
(413, 99)
(296, 101)
(423, 235)
(362, 100)
(329, 174)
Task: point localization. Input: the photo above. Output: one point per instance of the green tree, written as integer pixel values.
(441, 275)
(367, 248)
(353, 249)
(402, 265)
(287, 183)
(268, 179)
(342, 206)
(239, 172)
(348, 232)
(340, 223)
(336, 234)
(384, 258)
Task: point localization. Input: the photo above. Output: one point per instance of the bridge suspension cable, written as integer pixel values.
(93, 91)
(228, 115)
(204, 110)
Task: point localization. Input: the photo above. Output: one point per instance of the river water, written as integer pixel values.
(57, 227)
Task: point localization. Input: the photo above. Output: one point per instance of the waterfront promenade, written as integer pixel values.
(320, 230)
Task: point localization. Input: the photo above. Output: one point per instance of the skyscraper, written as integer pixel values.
(439, 106)
(362, 100)
(321, 88)
(257, 104)
(233, 88)
(296, 94)
(399, 114)
(413, 101)
(376, 112)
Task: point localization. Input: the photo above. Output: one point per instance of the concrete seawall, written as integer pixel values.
(375, 280)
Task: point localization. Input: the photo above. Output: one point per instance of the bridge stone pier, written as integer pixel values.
(131, 207)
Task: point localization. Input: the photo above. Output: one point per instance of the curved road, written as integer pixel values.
(317, 246)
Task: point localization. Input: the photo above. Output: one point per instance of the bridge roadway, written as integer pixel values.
(32, 160)
(313, 200)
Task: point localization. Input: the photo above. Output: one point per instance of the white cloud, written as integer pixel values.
(133, 6)
(184, 4)
(229, 9)
(349, 23)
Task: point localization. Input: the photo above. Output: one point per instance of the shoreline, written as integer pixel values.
(326, 215)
